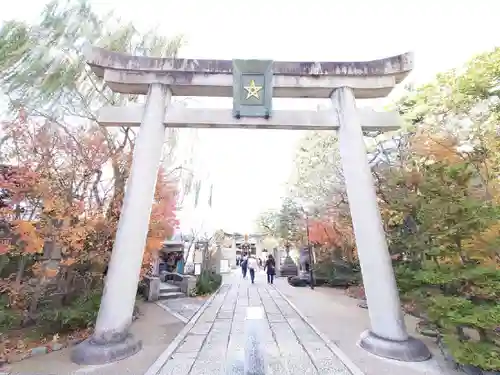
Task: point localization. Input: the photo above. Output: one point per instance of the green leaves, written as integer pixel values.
(207, 283)
(288, 225)
(449, 185)
(477, 353)
(317, 177)
(42, 68)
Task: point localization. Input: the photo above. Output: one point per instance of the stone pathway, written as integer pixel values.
(339, 318)
(155, 327)
(251, 329)
(183, 308)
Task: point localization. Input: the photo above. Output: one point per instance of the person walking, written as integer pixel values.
(270, 269)
(244, 265)
(252, 267)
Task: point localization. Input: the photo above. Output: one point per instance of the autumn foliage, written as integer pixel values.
(59, 210)
(438, 190)
(325, 233)
(163, 219)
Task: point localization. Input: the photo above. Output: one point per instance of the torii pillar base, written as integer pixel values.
(93, 352)
(410, 350)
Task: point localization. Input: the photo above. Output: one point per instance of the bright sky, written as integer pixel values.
(248, 168)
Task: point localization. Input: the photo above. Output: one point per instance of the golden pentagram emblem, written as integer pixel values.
(252, 90)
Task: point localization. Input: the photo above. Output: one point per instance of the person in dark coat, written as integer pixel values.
(244, 265)
(270, 269)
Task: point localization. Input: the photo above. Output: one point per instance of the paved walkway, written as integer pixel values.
(155, 327)
(251, 329)
(183, 308)
(339, 318)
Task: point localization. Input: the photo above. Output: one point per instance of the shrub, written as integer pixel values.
(449, 267)
(462, 303)
(208, 282)
(338, 273)
(80, 313)
(9, 319)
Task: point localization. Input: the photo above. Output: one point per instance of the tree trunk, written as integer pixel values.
(20, 269)
(116, 202)
(188, 253)
(4, 261)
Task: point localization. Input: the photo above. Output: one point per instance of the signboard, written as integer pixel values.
(197, 269)
(252, 88)
(224, 266)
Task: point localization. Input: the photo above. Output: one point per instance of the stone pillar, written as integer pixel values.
(218, 259)
(153, 285)
(277, 260)
(258, 248)
(233, 250)
(388, 336)
(111, 340)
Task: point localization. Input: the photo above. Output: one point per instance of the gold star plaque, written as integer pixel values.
(252, 90)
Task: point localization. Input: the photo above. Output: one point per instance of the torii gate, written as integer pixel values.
(252, 84)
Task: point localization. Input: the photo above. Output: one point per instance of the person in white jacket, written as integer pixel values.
(252, 267)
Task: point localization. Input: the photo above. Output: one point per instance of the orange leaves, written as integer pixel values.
(413, 178)
(42, 271)
(29, 239)
(332, 233)
(484, 245)
(74, 198)
(163, 219)
(163, 215)
(50, 272)
(17, 182)
(436, 147)
(154, 244)
(323, 232)
(68, 262)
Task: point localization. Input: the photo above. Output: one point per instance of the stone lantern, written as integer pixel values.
(288, 268)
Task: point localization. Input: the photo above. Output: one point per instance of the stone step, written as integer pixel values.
(166, 287)
(171, 295)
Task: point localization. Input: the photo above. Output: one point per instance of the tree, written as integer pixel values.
(442, 208)
(163, 220)
(317, 178)
(267, 222)
(324, 233)
(288, 224)
(318, 181)
(44, 74)
(61, 234)
(64, 180)
(437, 183)
(284, 224)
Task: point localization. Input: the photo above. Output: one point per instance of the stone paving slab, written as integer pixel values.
(155, 327)
(220, 340)
(186, 307)
(339, 318)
